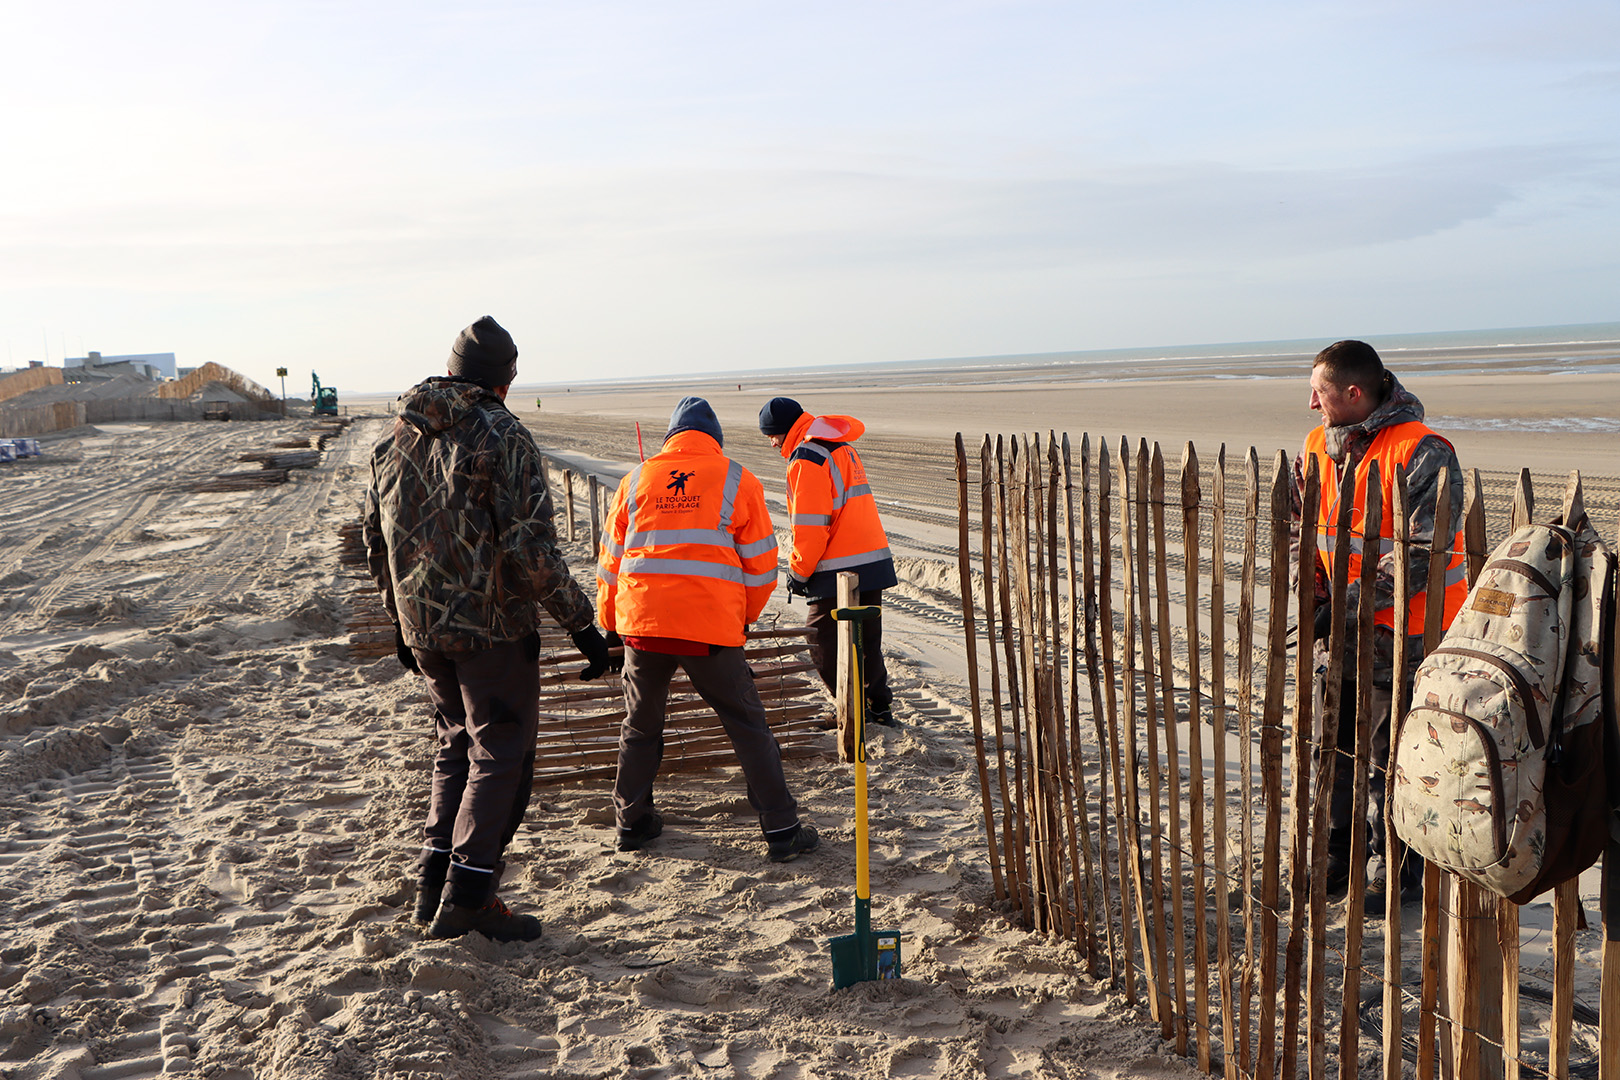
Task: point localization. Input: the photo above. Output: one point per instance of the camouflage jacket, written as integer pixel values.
(458, 524)
(1346, 444)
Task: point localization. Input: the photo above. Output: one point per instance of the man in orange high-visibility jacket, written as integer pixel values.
(835, 529)
(688, 560)
(1369, 416)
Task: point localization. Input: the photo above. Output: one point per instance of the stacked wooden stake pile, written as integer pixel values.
(1075, 853)
(579, 721)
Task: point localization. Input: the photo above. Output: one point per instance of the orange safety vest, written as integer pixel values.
(1392, 446)
(830, 504)
(689, 550)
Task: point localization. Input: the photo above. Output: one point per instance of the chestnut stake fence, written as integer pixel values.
(1164, 805)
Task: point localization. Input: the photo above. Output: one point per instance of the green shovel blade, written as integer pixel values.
(848, 963)
(865, 957)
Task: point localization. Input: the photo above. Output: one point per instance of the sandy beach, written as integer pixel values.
(210, 809)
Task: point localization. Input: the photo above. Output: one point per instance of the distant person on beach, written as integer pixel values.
(835, 528)
(1367, 416)
(688, 561)
(459, 538)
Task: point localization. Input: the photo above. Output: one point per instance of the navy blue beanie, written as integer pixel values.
(694, 414)
(779, 415)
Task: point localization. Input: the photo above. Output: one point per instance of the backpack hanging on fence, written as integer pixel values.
(1500, 772)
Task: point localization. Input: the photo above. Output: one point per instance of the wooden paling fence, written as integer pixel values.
(1165, 806)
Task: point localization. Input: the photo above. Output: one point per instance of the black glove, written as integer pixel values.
(590, 642)
(1324, 628)
(1324, 620)
(795, 587)
(614, 641)
(407, 659)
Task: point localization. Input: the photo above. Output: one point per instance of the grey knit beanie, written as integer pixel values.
(484, 353)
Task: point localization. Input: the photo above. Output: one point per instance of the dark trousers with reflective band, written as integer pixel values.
(488, 706)
(723, 680)
(825, 643)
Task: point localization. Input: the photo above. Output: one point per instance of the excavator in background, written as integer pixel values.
(323, 398)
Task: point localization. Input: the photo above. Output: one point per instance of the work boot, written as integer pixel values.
(431, 870)
(494, 920)
(789, 844)
(470, 904)
(880, 714)
(637, 836)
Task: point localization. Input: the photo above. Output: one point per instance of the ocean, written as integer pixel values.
(1586, 347)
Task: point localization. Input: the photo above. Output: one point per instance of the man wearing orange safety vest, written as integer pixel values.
(835, 529)
(688, 560)
(1369, 416)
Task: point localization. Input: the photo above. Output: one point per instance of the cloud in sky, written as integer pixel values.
(648, 188)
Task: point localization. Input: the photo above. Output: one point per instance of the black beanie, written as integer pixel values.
(694, 414)
(484, 353)
(779, 415)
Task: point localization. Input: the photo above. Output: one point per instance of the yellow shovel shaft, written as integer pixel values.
(863, 872)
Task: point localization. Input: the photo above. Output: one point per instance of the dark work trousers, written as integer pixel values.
(1344, 776)
(488, 707)
(723, 680)
(825, 646)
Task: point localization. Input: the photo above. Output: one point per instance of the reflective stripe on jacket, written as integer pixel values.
(688, 550)
(1392, 446)
(830, 504)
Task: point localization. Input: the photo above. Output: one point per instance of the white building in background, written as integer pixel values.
(153, 365)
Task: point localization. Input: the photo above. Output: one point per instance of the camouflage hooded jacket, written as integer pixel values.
(1346, 444)
(458, 524)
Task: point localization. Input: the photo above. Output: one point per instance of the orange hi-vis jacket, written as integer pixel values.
(831, 509)
(688, 550)
(1391, 446)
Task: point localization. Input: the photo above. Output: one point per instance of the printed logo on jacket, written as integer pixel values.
(678, 501)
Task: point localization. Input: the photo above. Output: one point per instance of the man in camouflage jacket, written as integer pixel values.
(1358, 399)
(459, 538)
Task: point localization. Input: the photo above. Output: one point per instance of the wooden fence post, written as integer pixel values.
(1026, 895)
(1223, 783)
(1609, 1002)
(1066, 726)
(1124, 810)
(1304, 713)
(596, 519)
(1040, 879)
(1355, 914)
(1081, 606)
(1271, 762)
(568, 500)
(1472, 983)
(1191, 495)
(986, 524)
(1162, 1010)
(1172, 754)
(848, 596)
(1400, 534)
(1327, 765)
(1436, 884)
(1146, 926)
(1245, 674)
(965, 571)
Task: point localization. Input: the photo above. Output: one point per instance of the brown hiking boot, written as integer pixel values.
(494, 920)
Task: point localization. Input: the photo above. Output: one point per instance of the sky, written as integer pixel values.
(639, 189)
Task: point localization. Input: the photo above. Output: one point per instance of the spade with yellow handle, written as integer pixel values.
(866, 954)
